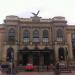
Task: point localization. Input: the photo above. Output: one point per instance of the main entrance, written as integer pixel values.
(35, 56)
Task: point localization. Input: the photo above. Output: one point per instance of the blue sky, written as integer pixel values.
(48, 8)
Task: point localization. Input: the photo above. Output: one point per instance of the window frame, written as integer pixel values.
(59, 35)
(45, 37)
(11, 34)
(35, 37)
(26, 37)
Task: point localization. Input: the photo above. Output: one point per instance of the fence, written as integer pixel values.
(46, 69)
(65, 69)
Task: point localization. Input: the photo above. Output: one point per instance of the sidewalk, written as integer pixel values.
(42, 73)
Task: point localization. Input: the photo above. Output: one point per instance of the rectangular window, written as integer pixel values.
(45, 40)
(26, 40)
(11, 39)
(59, 39)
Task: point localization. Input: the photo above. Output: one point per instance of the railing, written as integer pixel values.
(65, 68)
(36, 68)
(43, 68)
(46, 68)
(72, 66)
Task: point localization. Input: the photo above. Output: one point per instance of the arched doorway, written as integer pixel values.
(61, 53)
(10, 54)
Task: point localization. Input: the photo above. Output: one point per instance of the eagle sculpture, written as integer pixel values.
(36, 13)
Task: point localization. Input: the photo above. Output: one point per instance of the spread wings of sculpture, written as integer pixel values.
(36, 13)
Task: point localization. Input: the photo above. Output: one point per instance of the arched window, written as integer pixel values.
(45, 36)
(26, 36)
(36, 36)
(11, 34)
(60, 35)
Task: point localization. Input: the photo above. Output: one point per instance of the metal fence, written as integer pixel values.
(46, 68)
(36, 69)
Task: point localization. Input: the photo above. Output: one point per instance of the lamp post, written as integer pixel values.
(11, 63)
(11, 67)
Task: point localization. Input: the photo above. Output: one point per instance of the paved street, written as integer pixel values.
(42, 73)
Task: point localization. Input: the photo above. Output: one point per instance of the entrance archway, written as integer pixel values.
(36, 56)
(41, 59)
(10, 54)
(61, 53)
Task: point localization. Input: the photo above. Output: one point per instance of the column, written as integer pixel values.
(41, 62)
(41, 58)
(56, 52)
(69, 46)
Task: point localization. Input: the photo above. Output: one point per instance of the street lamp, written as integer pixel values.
(10, 68)
(11, 62)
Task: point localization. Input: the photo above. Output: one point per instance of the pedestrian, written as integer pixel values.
(57, 69)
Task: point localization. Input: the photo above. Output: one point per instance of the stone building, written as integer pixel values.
(36, 40)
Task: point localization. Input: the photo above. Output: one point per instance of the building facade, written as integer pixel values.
(37, 41)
